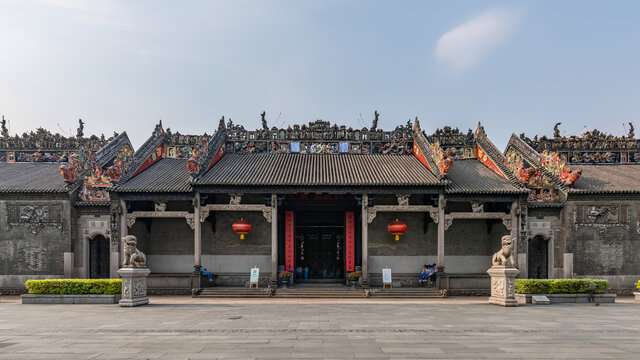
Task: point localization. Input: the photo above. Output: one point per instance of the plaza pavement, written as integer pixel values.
(186, 328)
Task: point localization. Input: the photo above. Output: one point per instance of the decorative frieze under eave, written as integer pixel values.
(190, 217)
(506, 218)
(372, 211)
(267, 211)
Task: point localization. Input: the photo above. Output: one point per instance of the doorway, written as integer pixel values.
(538, 261)
(319, 252)
(319, 246)
(99, 257)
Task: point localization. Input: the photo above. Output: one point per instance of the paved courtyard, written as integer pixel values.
(185, 328)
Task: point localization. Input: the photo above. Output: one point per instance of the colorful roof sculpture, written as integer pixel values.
(321, 154)
(592, 147)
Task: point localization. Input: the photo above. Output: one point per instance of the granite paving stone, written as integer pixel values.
(187, 328)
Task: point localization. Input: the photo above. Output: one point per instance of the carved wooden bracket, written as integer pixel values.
(204, 214)
(191, 220)
(371, 214)
(267, 212)
(434, 215)
(507, 222)
(447, 222)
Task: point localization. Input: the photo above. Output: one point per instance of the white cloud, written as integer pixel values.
(467, 44)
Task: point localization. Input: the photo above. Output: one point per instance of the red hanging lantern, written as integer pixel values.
(241, 227)
(397, 228)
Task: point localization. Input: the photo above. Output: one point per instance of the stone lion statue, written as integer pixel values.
(504, 257)
(132, 256)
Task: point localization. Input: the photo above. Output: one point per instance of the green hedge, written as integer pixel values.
(638, 285)
(74, 286)
(560, 286)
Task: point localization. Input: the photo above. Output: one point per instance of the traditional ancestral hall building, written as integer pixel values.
(319, 200)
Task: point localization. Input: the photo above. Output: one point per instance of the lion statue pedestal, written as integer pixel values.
(503, 275)
(134, 274)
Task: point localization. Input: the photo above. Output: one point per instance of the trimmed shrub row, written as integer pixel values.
(74, 286)
(638, 285)
(560, 286)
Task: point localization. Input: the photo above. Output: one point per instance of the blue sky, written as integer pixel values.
(514, 66)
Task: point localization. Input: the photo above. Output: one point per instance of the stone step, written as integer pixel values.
(234, 292)
(310, 291)
(406, 293)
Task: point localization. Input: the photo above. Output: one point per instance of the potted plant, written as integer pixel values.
(284, 277)
(637, 294)
(353, 278)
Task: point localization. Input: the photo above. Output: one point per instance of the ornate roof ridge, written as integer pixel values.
(107, 152)
(494, 153)
(423, 144)
(141, 155)
(528, 151)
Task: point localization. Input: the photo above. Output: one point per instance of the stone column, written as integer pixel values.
(515, 227)
(441, 223)
(365, 241)
(442, 282)
(197, 236)
(114, 261)
(274, 240)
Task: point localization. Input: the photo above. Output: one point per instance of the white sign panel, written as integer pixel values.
(255, 273)
(386, 275)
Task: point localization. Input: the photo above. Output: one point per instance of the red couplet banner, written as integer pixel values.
(288, 240)
(350, 242)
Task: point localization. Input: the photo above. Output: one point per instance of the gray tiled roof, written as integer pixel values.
(608, 179)
(471, 176)
(167, 175)
(327, 169)
(31, 177)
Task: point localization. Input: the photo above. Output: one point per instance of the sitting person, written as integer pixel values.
(205, 272)
(432, 275)
(424, 275)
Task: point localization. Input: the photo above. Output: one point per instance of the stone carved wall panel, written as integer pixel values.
(602, 217)
(34, 217)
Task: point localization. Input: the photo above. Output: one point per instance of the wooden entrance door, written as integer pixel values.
(99, 257)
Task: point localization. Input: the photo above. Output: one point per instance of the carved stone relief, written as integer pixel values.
(234, 199)
(602, 217)
(403, 200)
(160, 206)
(477, 206)
(34, 216)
